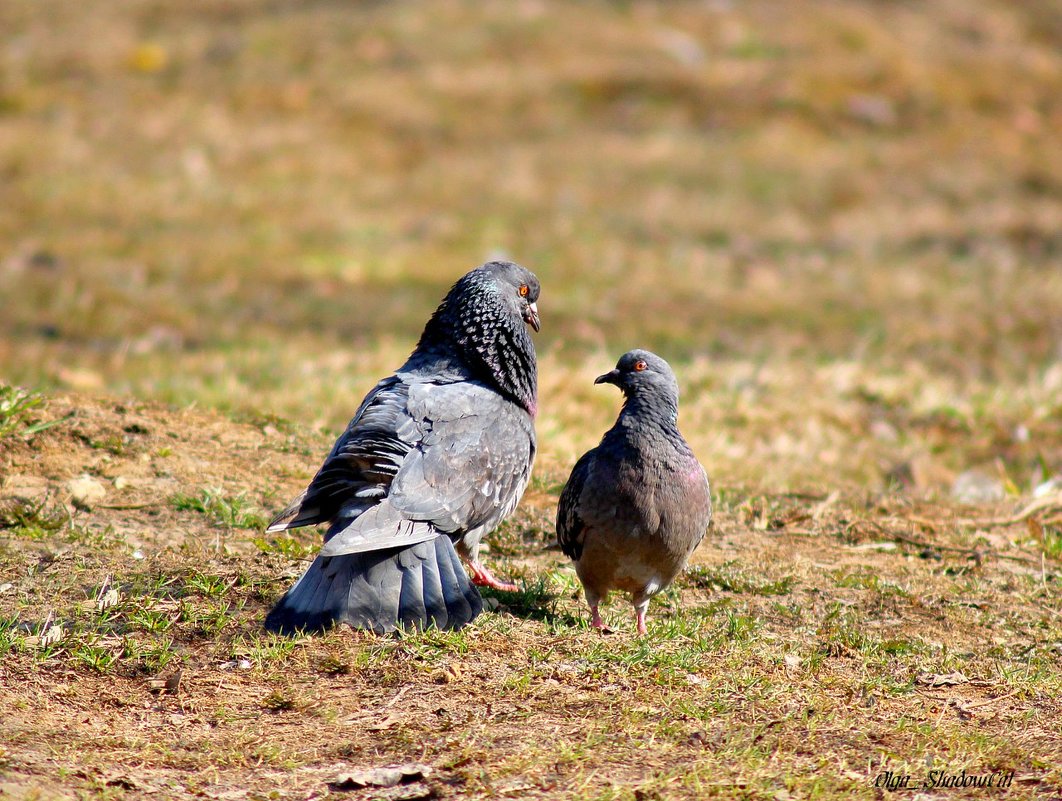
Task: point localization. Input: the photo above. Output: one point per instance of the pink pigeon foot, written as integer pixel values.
(597, 622)
(640, 620)
(482, 577)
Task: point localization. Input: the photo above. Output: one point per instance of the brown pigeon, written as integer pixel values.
(637, 505)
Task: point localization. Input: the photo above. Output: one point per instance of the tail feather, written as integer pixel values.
(416, 586)
(373, 596)
(435, 611)
(413, 599)
(453, 596)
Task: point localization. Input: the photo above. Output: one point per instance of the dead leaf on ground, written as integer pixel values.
(386, 776)
(389, 721)
(170, 684)
(941, 679)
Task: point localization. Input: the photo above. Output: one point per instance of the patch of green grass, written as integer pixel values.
(675, 647)
(431, 645)
(842, 630)
(1052, 542)
(210, 619)
(114, 444)
(281, 701)
(208, 585)
(99, 658)
(738, 627)
(731, 577)
(148, 655)
(16, 408)
(536, 599)
(93, 535)
(129, 640)
(32, 519)
(12, 635)
(332, 665)
(263, 649)
(153, 621)
(231, 511)
(133, 628)
(15, 404)
(869, 580)
(286, 546)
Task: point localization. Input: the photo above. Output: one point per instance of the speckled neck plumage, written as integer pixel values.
(491, 341)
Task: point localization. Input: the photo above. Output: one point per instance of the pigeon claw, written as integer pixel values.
(597, 622)
(482, 577)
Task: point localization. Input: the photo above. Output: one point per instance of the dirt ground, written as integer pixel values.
(818, 642)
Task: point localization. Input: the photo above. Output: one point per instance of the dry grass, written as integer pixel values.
(837, 219)
(796, 657)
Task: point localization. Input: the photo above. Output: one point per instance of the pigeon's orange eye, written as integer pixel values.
(640, 365)
(523, 290)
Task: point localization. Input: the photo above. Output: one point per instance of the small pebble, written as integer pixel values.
(973, 486)
(86, 491)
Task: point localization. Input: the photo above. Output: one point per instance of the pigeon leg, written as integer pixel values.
(596, 620)
(639, 615)
(592, 600)
(482, 577)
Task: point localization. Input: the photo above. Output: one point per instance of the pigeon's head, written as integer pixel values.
(639, 372)
(482, 325)
(516, 287)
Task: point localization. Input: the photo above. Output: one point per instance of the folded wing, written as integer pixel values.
(411, 465)
(571, 527)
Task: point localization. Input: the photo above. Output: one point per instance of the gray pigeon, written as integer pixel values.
(637, 505)
(436, 456)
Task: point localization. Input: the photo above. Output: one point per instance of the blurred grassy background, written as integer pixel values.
(255, 205)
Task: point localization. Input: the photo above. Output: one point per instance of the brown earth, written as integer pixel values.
(800, 651)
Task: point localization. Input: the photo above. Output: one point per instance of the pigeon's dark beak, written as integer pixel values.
(611, 377)
(531, 316)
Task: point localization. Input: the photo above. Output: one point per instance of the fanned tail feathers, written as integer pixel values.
(417, 586)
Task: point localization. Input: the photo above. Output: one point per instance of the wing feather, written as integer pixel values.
(473, 465)
(571, 527)
(363, 461)
(419, 458)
